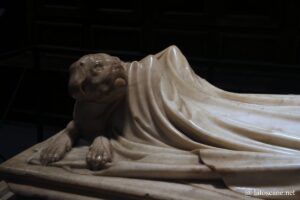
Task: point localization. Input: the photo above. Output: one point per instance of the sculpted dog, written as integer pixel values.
(98, 83)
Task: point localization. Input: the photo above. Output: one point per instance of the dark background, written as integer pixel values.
(243, 46)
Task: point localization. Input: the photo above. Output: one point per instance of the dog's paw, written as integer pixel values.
(99, 154)
(55, 150)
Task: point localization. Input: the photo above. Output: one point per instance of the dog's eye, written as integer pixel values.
(98, 66)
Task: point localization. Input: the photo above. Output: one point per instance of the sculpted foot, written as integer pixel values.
(56, 149)
(99, 153)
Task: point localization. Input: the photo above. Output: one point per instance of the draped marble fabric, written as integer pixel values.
(180, 128)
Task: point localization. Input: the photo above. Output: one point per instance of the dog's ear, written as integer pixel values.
(77, 77)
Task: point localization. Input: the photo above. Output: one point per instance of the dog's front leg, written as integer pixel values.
(99, 154)
(60, 145)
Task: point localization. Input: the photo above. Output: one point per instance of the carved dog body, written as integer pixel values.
(98, 83)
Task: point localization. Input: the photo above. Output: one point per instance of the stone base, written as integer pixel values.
(48, 182)
(5, 192)
(53, 183)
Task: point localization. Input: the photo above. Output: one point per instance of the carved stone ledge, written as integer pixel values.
(5, 192)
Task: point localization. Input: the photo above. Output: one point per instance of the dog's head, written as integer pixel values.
(96, 77)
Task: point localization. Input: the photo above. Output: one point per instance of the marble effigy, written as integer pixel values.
(153, 129)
